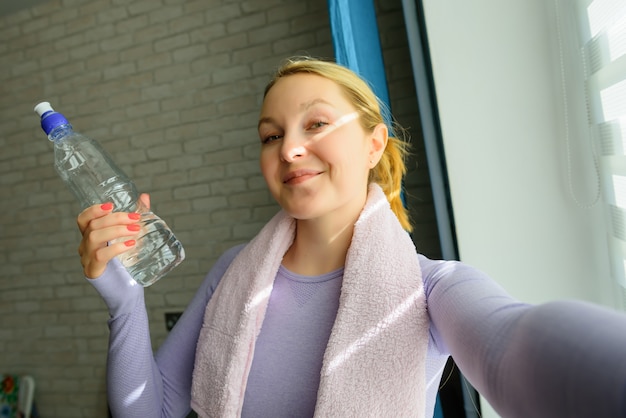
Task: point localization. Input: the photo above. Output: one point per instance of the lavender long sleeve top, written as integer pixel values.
(560, 359)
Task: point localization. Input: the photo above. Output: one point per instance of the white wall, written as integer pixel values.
(497, 79)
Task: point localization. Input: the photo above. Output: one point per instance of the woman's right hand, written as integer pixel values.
(99, 226)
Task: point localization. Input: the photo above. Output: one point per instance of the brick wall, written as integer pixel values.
(171, 88)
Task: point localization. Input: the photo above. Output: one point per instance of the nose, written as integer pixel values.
(293, 147)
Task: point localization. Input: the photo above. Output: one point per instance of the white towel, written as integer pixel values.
(374, 363)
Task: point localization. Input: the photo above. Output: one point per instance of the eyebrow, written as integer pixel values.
(303, 107)
(308, 105)
(265, 120)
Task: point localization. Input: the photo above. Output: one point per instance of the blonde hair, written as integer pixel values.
(390, 170)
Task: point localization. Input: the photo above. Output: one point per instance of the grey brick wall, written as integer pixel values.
(171, 88)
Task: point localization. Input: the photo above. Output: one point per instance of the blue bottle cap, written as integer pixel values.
(49, 118)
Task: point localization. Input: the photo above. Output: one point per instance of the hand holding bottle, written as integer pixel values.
(106, 234)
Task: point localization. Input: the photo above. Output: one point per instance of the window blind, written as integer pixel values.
(602, 34)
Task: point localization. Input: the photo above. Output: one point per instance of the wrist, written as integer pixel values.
(118, 289)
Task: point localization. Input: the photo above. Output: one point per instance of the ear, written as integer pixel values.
(378, 142)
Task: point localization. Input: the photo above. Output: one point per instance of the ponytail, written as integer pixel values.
(388, 174)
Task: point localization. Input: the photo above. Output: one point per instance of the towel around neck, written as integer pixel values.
(374, 363)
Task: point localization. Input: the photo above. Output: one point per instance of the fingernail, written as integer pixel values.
(133, 227)
(134, 216)
(129, 243)
(107, 206)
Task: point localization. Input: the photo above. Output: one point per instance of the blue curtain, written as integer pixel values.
(357, 43)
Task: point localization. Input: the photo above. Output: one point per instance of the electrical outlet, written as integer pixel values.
(171, 318)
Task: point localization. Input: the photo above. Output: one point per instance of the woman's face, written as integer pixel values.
(315, 156)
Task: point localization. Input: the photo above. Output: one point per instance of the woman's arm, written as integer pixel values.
(140, 384)
(177, 355)
(562, 358)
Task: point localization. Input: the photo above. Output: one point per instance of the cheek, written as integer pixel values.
(268, 163)
(348, 152)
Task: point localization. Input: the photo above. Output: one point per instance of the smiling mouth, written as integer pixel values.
(299, 176)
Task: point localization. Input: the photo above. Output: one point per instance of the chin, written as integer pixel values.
(301, 215)
(302, 211)
(298, 205)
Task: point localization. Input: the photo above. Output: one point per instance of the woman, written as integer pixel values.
(329, 310)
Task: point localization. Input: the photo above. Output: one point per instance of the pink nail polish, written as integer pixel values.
(133, 227)
(106, 206)
(129, 243)
(134, 216)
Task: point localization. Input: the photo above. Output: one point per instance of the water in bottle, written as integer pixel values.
(92, 176)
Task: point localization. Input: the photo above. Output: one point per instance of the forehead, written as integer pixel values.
(299, 91)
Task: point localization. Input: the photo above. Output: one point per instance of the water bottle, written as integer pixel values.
(92, 176)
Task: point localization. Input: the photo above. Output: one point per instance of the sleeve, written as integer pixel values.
(561, 358)
(140, 384)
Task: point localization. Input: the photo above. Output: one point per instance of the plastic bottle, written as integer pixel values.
(92, 176)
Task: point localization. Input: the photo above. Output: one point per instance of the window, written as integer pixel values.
(601, 31)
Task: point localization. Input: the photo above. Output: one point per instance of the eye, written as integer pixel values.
(317, 124)
(270, 138)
